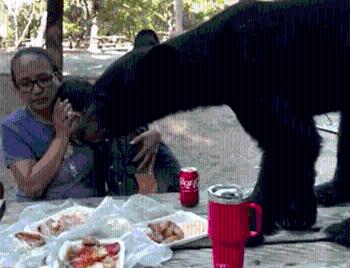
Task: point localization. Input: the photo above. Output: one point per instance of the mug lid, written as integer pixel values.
(225, 193)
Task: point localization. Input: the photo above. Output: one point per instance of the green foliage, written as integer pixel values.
(22, 17)
(127, 17)
(117, 17)
(75, 22)
(198, 11)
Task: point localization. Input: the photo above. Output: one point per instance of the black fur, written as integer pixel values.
(339, 232)
(276, 64)
(146, 38)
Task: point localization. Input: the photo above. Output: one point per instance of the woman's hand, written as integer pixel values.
(148, 152)
(65, 120)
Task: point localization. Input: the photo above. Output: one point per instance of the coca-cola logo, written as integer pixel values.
(189, 184)
(222, 265)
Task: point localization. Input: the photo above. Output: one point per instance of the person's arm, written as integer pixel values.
(150, 141)
(31, 176)
(147, 183)
(145, 178)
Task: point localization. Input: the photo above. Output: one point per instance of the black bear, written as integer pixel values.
(276, 64)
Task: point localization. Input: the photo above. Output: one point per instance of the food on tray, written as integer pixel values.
(31, 239)
(63, 223)
(194, 228)
(92, 253)
(165, 232)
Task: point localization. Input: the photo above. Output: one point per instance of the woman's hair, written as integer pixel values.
(79, 92)
(146, 38)
(36, 51)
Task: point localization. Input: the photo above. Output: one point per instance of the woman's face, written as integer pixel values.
(35, 81)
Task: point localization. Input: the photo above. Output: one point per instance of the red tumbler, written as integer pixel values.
(228, 227)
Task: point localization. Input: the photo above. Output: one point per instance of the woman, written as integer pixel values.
(36, 137)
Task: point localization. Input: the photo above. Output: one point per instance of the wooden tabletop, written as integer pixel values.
(284, 249)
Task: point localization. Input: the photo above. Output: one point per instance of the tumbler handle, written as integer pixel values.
(258, 219)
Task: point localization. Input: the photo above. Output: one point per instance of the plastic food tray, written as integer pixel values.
(193, 226)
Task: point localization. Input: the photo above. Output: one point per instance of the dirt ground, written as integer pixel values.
(210, 139)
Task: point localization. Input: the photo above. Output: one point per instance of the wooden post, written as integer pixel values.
(54, 31)
(179, 16)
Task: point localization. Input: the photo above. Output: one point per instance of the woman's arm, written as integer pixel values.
(31, 176)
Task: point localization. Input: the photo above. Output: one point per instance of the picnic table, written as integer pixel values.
(284, 249)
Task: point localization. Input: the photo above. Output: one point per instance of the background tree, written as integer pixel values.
(128, 17)
(77, 20)
(114, 17)
(24, 19)
(179, 23)
(54, 30)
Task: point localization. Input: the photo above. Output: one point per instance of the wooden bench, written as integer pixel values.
(114, 42)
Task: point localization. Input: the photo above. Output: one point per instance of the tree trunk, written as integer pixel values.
(179, 16)
(92, 7)
(54, 31)
(38, 41)
(16, 27)
(87, 9)
(25, 31)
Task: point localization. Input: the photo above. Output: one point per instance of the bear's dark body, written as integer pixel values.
(276, 64)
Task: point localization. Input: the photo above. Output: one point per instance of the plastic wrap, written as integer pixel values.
(111, 219)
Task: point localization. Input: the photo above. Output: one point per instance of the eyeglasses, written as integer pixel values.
(27, 85)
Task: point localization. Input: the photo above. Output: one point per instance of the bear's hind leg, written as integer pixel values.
(291, 146)
(338, 189)
(298, 205)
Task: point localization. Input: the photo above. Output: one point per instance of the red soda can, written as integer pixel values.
(189, 193)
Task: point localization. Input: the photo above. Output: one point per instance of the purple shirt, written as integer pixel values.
(24, 137)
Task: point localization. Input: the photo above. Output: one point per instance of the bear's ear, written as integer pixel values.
(160, 68)
(146, 38)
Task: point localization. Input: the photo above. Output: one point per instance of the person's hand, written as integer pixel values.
(65, 120)
(149, 147)
(147, 183)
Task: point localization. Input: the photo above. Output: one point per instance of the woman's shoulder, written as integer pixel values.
(15, 118)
